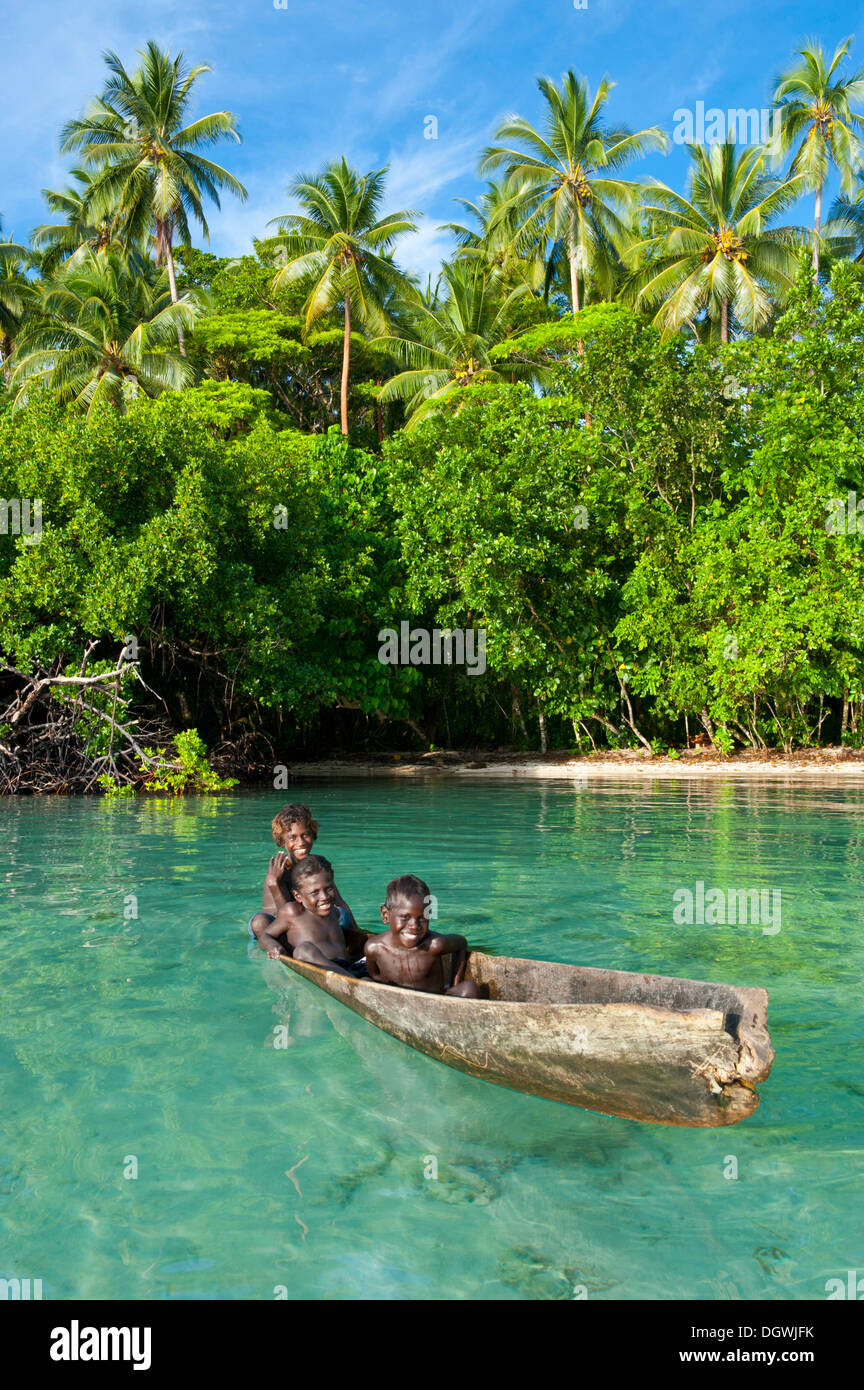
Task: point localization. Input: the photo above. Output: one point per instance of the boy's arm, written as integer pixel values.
(372, 966)
(274, 897)
(458, 946)
(268, 942)
(281, 927)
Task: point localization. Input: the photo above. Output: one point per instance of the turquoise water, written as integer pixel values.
(151, 1040)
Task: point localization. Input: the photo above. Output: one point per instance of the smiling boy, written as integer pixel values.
(313, 927)
(295, 831)
(408, 954)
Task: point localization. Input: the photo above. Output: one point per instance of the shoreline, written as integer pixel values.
(836, 764)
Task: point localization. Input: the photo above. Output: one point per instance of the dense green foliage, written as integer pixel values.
(223, 559)
(645, 543)
(253, 468)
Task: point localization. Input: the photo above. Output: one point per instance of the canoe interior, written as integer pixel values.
(645, 1047)
(511, 979)
(545, 982)
(744, 1010)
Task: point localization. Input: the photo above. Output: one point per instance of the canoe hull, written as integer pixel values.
(693, 1066)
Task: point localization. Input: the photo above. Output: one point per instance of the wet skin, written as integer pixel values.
(312, 928)
(297, 842)
(277, 898)
(411, 956)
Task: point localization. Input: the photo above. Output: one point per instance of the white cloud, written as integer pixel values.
(423, 252)
(416, 76)
(235, 224)
(421, 169)
(420, 174)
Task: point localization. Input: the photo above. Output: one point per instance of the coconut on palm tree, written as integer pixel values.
(446, 344)
(103, 332)
(814, 103)
(565, 176)
(342, 248)
(714, 253)
(139, 139)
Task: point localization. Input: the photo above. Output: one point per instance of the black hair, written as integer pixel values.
(288, 816)
(408, 886)
(312, 864)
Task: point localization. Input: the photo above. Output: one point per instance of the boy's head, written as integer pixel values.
(312, 884)
(406, 910)
(295, 830)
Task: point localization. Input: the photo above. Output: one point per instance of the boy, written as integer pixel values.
(314, 928)
(408, 954)
(295, 831)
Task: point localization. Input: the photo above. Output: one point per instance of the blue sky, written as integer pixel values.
(318, 79)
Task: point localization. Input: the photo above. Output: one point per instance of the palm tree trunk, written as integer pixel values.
(7, 347)
(172, 281)
(574, 284)
(574, 298)
(574, 277)
(817, 228)
(724, 321)
(346, 366)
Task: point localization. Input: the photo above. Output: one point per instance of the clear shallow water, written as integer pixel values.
(154, 1038)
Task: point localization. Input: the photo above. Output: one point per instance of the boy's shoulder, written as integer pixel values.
(442, 941)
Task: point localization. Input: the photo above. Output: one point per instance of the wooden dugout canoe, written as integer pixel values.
(645, 1047)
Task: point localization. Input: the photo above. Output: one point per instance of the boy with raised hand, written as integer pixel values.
(408, 954)
(314, 928)
(295, 831)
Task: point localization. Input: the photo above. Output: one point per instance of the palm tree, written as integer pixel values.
(447, 343)
(496, 242)
(103, 332)
(495, 200)
(714, 252)
(150, 176)
(342, 248)
(844, 230)
(565, 177)
(497, 214)
(16, 295)
(56, 241)
(814, 105)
